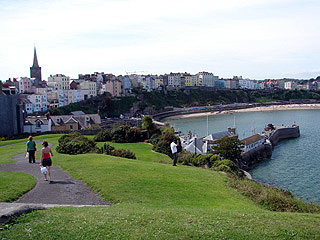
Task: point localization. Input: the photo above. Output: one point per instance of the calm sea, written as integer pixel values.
(294, 164)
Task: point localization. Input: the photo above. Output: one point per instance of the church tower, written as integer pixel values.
(35, 70)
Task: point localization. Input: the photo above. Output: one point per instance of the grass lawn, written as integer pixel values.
(154, 200)
(143, 151)
(14, 185)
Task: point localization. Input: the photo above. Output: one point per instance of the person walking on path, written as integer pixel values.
(174, 151)
(46, 159)
(31, 149)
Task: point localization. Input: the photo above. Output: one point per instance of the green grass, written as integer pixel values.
(143, 151)
(153, 200)
(14, 185)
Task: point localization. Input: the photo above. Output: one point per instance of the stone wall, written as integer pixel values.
(282, 133)
(265, 151)
(256, 155)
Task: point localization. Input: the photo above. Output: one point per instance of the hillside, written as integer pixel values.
(153, 200)
(157, 100)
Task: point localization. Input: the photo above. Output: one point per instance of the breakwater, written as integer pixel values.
(264, 151)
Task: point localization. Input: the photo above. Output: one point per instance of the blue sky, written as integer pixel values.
(256, 39)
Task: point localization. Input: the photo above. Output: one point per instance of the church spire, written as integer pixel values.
(35, 70)
(35, 59)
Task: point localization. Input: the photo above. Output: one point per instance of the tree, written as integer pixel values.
(228, 148)
(148, 124)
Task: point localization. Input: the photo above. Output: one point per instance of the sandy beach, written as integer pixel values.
(314, 106)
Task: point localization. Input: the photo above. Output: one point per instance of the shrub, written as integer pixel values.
(75, 143)
(226, 162)
(110, 150)
(106, 149)
(125, 153)
(270, 197)
(103, 136)
(163, 146)
(155, 138)
(188, 158)
(118, 134)
(133, 135)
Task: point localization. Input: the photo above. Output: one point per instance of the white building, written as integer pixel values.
(207, 79)
(248, 84)
(291, 85)
(253, 142)
(39, 102)
(91, 87)
(59, 82)
(34, 124)
(25, 85)
(174, 80)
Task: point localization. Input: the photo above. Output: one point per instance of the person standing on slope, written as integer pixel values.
(174, 151)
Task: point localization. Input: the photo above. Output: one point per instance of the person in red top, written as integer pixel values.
(46, 159)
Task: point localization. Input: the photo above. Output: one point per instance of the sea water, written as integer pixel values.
(295, 163)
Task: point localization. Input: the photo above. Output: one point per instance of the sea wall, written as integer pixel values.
(256, 155)
(282, 133)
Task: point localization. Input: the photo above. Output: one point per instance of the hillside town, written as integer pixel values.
(38, 95)
(24, 101)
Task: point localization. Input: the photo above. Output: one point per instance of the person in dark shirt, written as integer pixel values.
(31, 149)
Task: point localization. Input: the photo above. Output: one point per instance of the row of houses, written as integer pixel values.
(60, 90)
(76, 121)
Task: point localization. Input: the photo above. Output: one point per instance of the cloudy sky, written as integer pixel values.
(256, 39)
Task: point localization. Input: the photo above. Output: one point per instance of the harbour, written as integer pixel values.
(294, 162)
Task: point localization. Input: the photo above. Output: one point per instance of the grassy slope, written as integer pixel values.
(158, 201)
(14, 185)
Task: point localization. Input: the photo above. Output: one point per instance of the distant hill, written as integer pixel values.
(157, 100)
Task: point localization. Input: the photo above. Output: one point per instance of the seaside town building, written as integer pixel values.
(91, 88)
(75, 121)
(39, 102)
(253, 142)
(207, 79)
(291, 85)
(36, 124)
(59, 82)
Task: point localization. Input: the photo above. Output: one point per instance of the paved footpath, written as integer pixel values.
(63, 191)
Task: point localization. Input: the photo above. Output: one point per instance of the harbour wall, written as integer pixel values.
(255, 156)
(258, 154)
(282, 133)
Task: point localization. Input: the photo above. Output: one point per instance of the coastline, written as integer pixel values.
(313, 106)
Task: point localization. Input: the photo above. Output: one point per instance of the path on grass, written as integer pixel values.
(64, 189)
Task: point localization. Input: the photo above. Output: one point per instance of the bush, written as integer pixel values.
(118, 134)
(133, 135)
(188, 158)
(75, 143)
(155, 138)
(125, 134)
(226, 166)
(110, 150)
(125, 153)
(270, 197)
(163, 146)
(103, 136)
